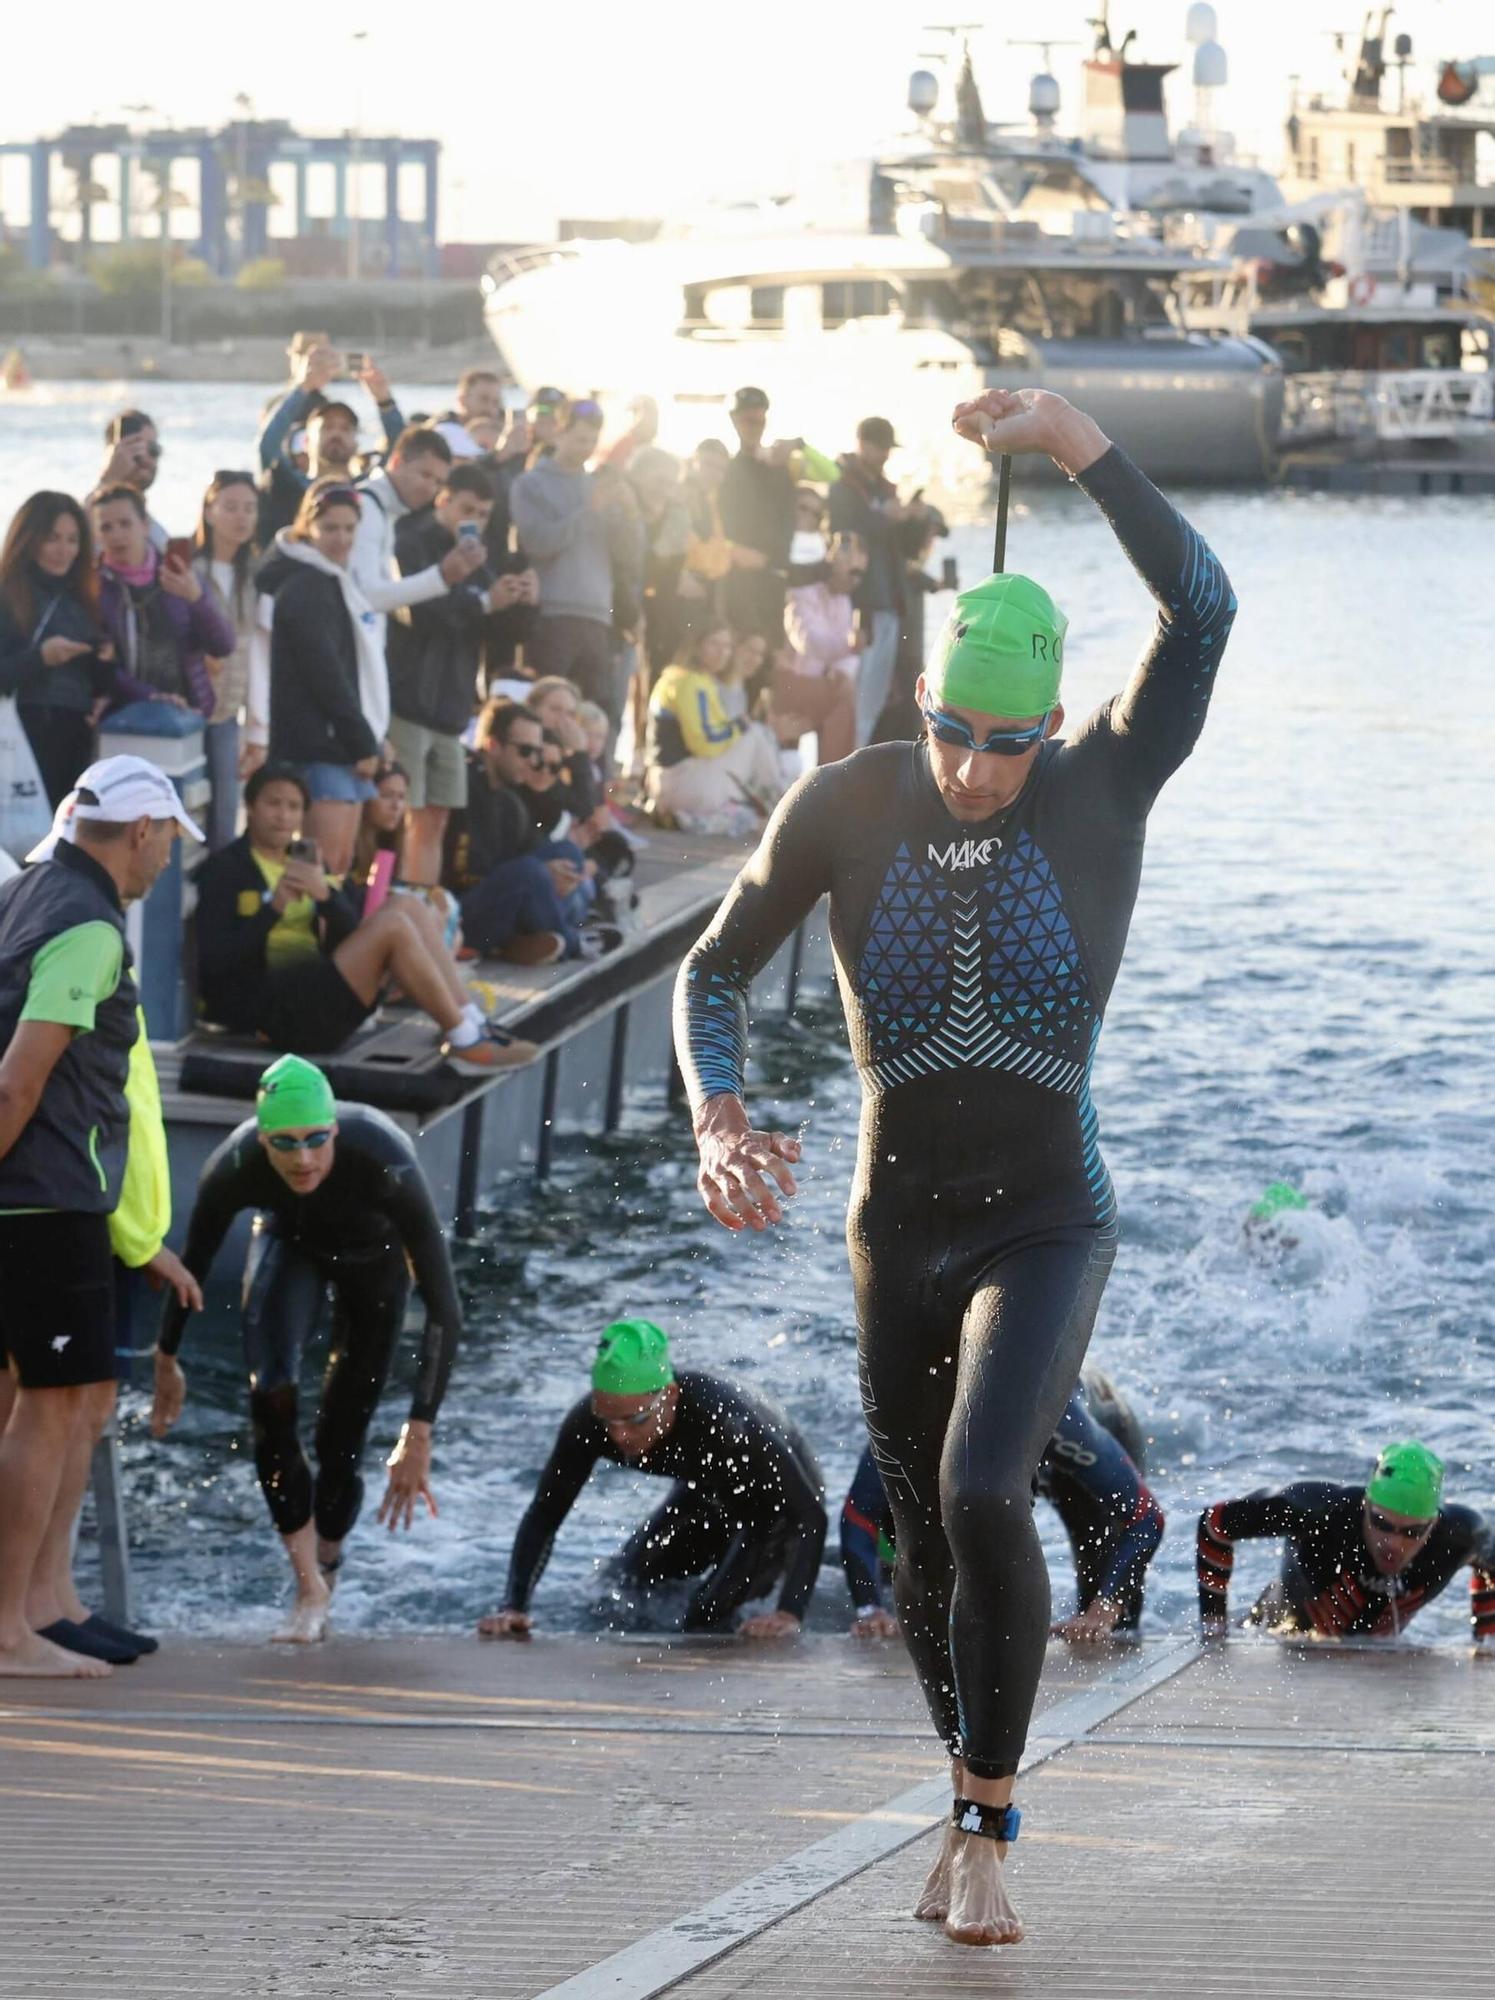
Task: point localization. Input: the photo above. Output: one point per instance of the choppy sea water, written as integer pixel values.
(1308, 993)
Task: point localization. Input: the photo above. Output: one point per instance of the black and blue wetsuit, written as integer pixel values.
(1113, 1522)
(975, 962)
(358, 1235)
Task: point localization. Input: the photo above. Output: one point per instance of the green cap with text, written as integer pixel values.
(633, 1359)
(1002, 650)
(1408, 1479)
(294, 1094)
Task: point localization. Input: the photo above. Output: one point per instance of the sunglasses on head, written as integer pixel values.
(307, 1142)
(1001, 743)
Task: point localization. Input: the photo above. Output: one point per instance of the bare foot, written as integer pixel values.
(933, 1905)
(979, 1910)
(36, 1658)
(307, 1623)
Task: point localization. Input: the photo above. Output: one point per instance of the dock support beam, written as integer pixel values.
(466, 1220)
(114, 1538)
(548, 1093)
(612, 1116)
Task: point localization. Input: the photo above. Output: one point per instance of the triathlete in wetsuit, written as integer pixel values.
(1360, 1561)
(746, 1507)
(1113, 1522)
(342, 1204)
(981, 884)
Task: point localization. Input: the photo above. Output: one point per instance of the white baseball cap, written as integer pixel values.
(119, 789)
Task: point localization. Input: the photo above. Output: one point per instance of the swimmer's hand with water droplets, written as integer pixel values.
(409, 1466)
(743, 1172)
(1025, 421)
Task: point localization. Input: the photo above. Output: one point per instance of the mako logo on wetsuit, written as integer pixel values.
(965, 853)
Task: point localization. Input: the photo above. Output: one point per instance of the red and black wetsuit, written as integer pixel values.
(975, 962)
(1330, 1584)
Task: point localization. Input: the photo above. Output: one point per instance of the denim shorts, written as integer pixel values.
(337, 784)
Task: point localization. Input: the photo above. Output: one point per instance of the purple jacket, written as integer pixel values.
(202, 631)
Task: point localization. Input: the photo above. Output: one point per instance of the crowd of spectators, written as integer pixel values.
(447, 671)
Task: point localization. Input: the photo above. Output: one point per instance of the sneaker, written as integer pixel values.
(597, 940)
(537, 948)
(519, 1050)
(485, 1057)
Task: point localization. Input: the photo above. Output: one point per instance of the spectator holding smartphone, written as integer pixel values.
(282, 953)
(54, 657)
(161, 622)
(331, 428)
(317, 665)
(434, 650)
(224, 563)
(133, 458)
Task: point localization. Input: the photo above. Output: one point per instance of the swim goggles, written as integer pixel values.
(287, 1142)
(1001, 743)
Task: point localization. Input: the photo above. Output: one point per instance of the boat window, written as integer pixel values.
(930, 302)
(1440, 347)
(1101, 306)
(768, 305)
(842, 299)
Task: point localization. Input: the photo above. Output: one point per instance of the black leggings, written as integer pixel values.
(968, 1357)
(283, 1294)
(63, 744)
(689, 1534)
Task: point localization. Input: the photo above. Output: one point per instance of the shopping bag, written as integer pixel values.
(25, 816)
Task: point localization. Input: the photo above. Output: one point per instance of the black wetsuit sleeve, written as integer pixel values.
(772, 896)
(864, 1517)
(1258, 1516)
(567, 1470)
(411, 1209)
(1155, 721)
(233, 1179)
(804, 1504)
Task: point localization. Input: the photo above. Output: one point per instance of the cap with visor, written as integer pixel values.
(117, 790)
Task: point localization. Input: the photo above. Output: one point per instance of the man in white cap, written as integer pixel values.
(68, 1022)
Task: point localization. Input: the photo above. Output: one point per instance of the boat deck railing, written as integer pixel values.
(1406, 405)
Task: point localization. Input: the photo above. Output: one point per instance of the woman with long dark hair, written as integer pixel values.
(164, 625)
(54, 656)
(224, 564)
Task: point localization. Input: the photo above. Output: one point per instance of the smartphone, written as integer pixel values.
(355, 361)
(469, 531)
(179, 551)
(949, 575)
(301, 849)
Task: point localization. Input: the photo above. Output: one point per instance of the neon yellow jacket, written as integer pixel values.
(686, 718)
(138, 1226)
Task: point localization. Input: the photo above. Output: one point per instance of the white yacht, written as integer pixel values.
(949, 277)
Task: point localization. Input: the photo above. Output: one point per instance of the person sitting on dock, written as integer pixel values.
(340, 1201)
(1359, 1561)
(746, 1511)
(282, 953)
(1113, 1522)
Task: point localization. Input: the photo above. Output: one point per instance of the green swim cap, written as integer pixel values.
(1002, 649)
(1279, 1196)
(294, 1093)
(1408, 1479)
(633, 1359)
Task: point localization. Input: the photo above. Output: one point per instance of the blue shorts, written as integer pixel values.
(337, 784)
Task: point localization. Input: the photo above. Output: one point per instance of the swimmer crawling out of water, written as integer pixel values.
(1358, 1561)
(341, 1204)
(745, 1512)
(981, 884)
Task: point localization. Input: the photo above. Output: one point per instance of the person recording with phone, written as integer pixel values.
(133, 458)
(160, 621)
(331, 426)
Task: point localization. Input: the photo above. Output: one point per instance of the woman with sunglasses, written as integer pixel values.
(981, 884)
(1358, 1561)
(340, 1204)
(223, 563)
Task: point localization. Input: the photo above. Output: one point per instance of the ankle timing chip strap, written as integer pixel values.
(994, 1822)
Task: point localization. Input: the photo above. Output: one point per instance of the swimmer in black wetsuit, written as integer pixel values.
(342, 1203)
(1360, 1561)
(746, 1509)
(981, 883)
(1113, 1522)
